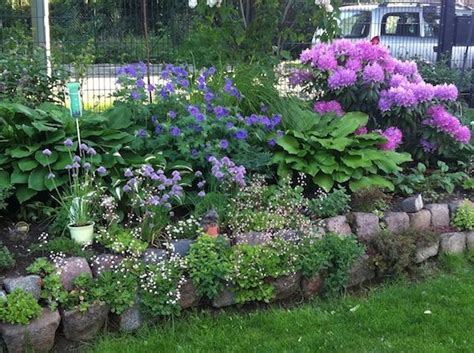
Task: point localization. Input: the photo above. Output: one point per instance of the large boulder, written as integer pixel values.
(453, 207)
(424, 252)
(470, 240)
(84, 326)
(70, 268)
(181, 247)
(253, 238)
(37, 336)
(420, 220)
(397, 222)
(289, 235)
(453, 243)
(130, 320)
(312, 286)
(286, 286)
(338, 225)
(105, 263)
(360, 272)
(365, 225)
(30, 284)
(225, 298)
(153, 256)
(412, 204)
(189, 296)
(439, 214)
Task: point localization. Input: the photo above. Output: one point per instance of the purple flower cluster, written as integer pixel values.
(373, 73)
(328, 107)
(440, 119)
(446, 92)
(225, 170)
(394, 138)
(341, 78)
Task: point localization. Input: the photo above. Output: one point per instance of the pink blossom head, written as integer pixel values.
(394, 138)
(371, 53)
(373, 73)
(328, 107)
(446, 92)
(341, 78)
(344, 47)
(361, 131)
(353, 64)
(405, 68)
(398, 80)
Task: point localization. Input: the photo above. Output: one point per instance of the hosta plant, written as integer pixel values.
(330, 150)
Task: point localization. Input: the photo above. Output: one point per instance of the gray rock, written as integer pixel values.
(84, 326)
(338, 225)
(3, 295)
(253, 238)
(286, 286)
(130, 320)
(105, 263)
(181, 247)
(470, 240)
(397, 222)
(312, 286)
(423, 253)
(439, 214)
(189, 296)
(70, 268)
(360, 272)
(37, 336)
(420, 220)
(30, 284)
(365, 225)
(225, 298)
(453, 207)
(453, 243)
(412, 204)
(289, 235)
(153, 256)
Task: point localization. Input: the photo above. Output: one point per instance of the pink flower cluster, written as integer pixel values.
(394, 138)
(441, 120)
(333, 106)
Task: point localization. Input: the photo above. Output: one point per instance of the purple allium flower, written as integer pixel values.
(328, 107)
(91, 151)
(76, 159)
(341, 78)
(224, 144)
(68, 143)
(201, 194)
(394, 138)
(201, 184)
(47, 152)
(373, 73)
(135, 95)
(76, 165)
(175, 131)
(140, 83)
(446, 92)
(86, 166)
(241, 134)
(101, 170)
(83, 147)
(51, 176)
(68, 167)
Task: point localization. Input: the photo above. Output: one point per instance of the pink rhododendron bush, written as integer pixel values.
(358, 76)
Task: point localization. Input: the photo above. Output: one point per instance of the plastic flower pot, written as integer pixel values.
(82, 234)
(212, 230)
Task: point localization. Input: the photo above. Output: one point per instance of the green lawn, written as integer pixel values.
(390, 319)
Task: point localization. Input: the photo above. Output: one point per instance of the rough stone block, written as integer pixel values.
(338, 225)
(439, 214)
(420, 220)
(412, 204)
(365, 225)
(453, 243)
(397, 222)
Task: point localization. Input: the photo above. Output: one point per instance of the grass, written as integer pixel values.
(433, 316)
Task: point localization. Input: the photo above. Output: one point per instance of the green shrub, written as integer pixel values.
(7, 261)
(63, 245)
(19, 308)
(340, 254)
(209, 265)
(464, 218)
(117, 289)
(369, 200)
(332, 204)
(326, 149)
(41, 266)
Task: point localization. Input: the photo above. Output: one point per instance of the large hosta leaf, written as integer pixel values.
(326, 182)
(347, 124)
(4, 179)
(368, 181)
(43, 160)
(25, 165)
(37, 179)
(23, 193)
(289, 144)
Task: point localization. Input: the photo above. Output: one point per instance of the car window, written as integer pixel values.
(355, 24)
(405, 24)
(431, 21)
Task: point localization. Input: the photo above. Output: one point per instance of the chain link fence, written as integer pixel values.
(92, 39)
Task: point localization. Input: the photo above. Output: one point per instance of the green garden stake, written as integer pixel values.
(75, 106)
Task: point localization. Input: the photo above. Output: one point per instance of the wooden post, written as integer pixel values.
(40, 24)
(446, 33)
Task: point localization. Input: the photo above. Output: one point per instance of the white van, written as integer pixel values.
(408, 30)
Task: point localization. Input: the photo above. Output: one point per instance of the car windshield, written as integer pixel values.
(355, 24)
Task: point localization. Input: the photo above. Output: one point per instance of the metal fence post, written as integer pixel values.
(40, 27)
(446, 33)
